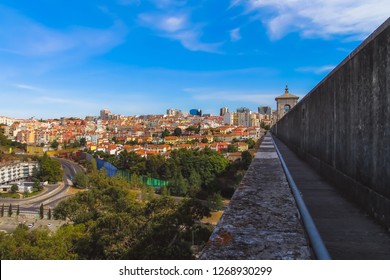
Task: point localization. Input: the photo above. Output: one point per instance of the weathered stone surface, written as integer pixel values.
(261, 221)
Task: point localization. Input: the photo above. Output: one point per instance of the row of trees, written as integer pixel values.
(10, 211)
(108, 222)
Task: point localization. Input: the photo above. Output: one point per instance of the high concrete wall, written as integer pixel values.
(343, 125)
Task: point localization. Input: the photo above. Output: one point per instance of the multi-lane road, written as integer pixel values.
(51, 195)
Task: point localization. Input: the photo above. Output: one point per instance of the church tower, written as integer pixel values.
(285, 102)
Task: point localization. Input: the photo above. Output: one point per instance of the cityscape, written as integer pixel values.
(195, 130)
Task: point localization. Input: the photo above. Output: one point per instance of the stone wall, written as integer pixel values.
(342, 127)
(261, 221)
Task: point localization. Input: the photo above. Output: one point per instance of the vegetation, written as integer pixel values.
(50, 170)
(108, 222)
(80, 180)
(4, 141)
(264, 126)
(14, 188)
(189, 172)
(193, 173)
(10, 210)
(41, 211)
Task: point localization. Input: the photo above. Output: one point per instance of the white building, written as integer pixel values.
(229, 118)
(16, 171)
(6, 120)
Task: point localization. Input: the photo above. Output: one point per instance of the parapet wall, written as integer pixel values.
(262, 220)
(342, 127)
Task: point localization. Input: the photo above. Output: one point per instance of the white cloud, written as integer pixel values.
(235, 34)
(163, 22)
(319, 18)
(177, 26)
(28, 87)
(316, 70)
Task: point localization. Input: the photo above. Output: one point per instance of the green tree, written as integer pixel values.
(49, 214)
(37, 185)
(54, 144)
(232, 148)
(14, 188)
(251, 143)
(50, 170)
(10, 210)
(41, 211)
(246, 159)
(80, 180)
(194, 182)
(215, 201)
(17, 211)
(177, 132)
(165, 133)
(91, 166)
(205, 140)
(83, 142)
(2, 211)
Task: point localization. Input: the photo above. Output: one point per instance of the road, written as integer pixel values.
(52, 194)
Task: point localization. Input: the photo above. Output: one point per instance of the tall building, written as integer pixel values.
(223, 111)
(173, 112)
(105, 114)
(196, 112)
(229, 118)
(285, 103)
(244, 117)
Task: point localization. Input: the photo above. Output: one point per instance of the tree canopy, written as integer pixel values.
(50, 170)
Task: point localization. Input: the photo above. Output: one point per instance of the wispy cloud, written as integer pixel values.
(316, 70)
(178, 26)
(235, 34)
(318, 18)
(29, 87)
(23, 36)
(162, 4)
(164, 22)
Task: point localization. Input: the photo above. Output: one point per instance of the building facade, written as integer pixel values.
(223, 111)
(16, 171)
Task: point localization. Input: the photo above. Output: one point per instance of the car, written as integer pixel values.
(30, 225)
(49, 224)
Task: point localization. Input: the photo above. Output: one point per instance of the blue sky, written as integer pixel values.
(73, 58)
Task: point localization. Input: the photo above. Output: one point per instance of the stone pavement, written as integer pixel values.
(261, 222)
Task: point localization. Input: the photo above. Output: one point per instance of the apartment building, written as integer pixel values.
(16, 171)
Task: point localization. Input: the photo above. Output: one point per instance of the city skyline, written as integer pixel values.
(143, 57)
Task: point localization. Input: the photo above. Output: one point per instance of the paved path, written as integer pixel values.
(347, 231)
(261, 221)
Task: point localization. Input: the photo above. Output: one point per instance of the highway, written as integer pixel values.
(51, 195)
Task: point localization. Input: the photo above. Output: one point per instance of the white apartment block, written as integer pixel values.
(6, 120)
(16, 171)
